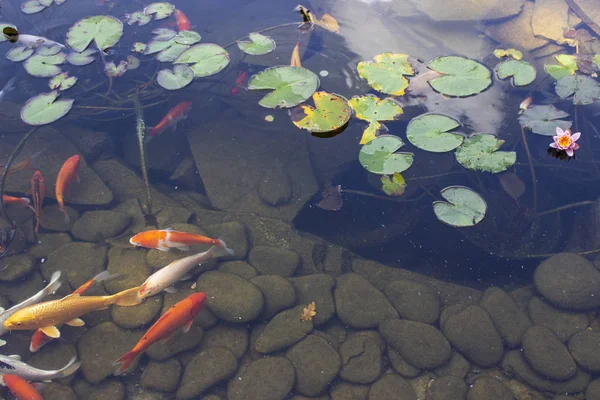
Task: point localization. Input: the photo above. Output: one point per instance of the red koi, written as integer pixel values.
(20, 388)
(173, 117)
(183, 23)
(240, 81)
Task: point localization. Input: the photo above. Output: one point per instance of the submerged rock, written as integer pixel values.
(275, 187)
(585, 349)
(447, 387)
(77, 261)
(400, 365)
(517, 31)
(468, 10)
(57, 391)
(240, 268)
(563, 323)
(180, 342)
(274, 260)
(137, 316)
(317, 288)
(265, 379)
(47, 243)
(13, 268)
(284, 330)
(278, 294)
(109, 389)
(414, 300)
(392, 387)
(162, 376)
(361, 359)
(205, 370)
(547, 354)
(508, 319)
(130, 265)
(53, 219)
(234, 234)
(486, 387)
(95, 226)
(226, 335)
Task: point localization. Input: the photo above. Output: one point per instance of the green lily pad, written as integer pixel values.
(379, 157)
(291, 86)
(584, 89)
(10, 29)
(132, 62)
(19, 53)
(331, 112)
(171, 53)
(156, 46)
(429, 132)
(32, 7)
(543, 120)
(387, 73)
(62, 81)
(163, 34)
(464, 207)
(80, 59)
(478, 153)
(114, 71)
(139, 47)
(522, 72)
(180, 77)
(394, 186)
(258, 45)
(461, 77)
(512, 53)
(568, 66)
(188, 37)
(371, 108)
(43, 109)
(46, 3)
(104, 30)
(44, 66)
(138, 17)
(208, 59)
(160, 10)
(48, 50)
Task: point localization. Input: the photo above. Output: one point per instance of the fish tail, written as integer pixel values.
(123, 363)
(54, 283)
(67, 218)
(70, 368)
(38, 340)
(126, 298)
(222, 245)
(10, 85)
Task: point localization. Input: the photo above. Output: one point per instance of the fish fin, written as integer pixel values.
(123, 363)
(104, 276)
(128, 298)
(174, 127)
(163, 248)
(186, 277)
(67, 218)
(54, 283)
(165, 340)
(187, 326)
(2, 342)
(10, 85)
(15, 357)
(168, 229)
(171, 289)
(39, 386)
(47, 381)
(2, 380)
(72, 366)
(2, 310)
(222, 245)
(75, 322)
(26, 200)
(183, 247)
(51, 331)
(35, 345)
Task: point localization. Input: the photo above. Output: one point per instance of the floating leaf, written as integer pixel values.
(478, 153)
(46, 3)
(32, 7)
(430, 132)
(258, 45)
(139, 47)
(584, 89)
(596, 60)
(543, 120)
(133, 62)
(8, 31)
(80, 59)
(386, 73)
(180, 77)
(44, 66)
(512, 53)
(394, 186)
(208, 59)
(331, 112)
(163, 34)
(48, 50)
(19, 53)
(522, 72)
(171, 53)
(157, 46)
(138, 17)
(114, 71)
(379, 157)
(464, 207)
(62, 81)
(461, 77)
(512, 184)
(291, 86)
(160, 10)
(371, 108)
(187, 37)
(104, 30)
(328, 22)
(568, 66)
(43, 109)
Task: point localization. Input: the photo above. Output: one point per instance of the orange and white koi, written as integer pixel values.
(183, 23)
(67, 173)
(181, 314)
(173, 117)
(20, 388)
(167, 239)
(239, 81)
(24, 201)
(37, 191)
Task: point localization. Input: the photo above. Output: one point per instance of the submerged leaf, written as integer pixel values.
(394, 186)
(208, 59)
(332, 198)
(512, 184)
(80, 59)
(379, 157)
(132, 62)
(328, 22)
(138, 17)
(479, 153)
(19, 53)
(370, 108)
(386, 73)
(115, 71)
(464, 207)
(180, 77)
(258, 45)
(104, 30)
(543, 120)
(44, 66)
(462, 77)
(512, 53)
(584, 89)
(163, 34)
(331, 112)
(160, 10)
(429, 132)
(522, 72)
(291, 86)
(43, 109)
(62, 81)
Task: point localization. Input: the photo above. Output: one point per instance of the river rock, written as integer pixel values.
(278, 294)
(130, 264)
(275, 187)
(563, 323)
(206, 369)
(317, 288)
(137, 316)
(549, 19)
(468, 10)
(234, 234)
(240, 268)
(316, 364)
(165, 215)
(157, 259)
(585, 349)
(54, 356)
(487, 387)
(57, 391)
(446, 388)
(284, 330)
(14, 268)
(89, 143)
(359, 304)
(593, 390)
(508, 319)
(47, 243)
(517, 31)
(414, 301)
(568, 281)
(400, 365)
(274, 261)
(547, 354)
(229, 336)
(361, 359)
(231, 297)
(392, 387)
(162, 376)
(53, 219)
(95, 226)
(180, 342)
(109, 389)
(78, 262)
(472, 332)
(457, 366)
(265, 379)
(342, 390)
(588, 11)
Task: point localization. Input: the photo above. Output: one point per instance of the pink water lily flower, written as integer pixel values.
(565, 140)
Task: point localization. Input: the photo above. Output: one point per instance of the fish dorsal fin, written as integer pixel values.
(15, 357)
(171, 289)
(51, 331)
(75, 322)
(187, 325)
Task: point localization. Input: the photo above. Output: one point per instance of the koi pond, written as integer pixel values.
(266, 200)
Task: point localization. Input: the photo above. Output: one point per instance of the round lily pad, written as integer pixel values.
(543, 120)
(114, 71)
(80, 59)
(132, 62)
(331, 112)
(62, 81)
(43, 109)
(584, 89)
(138, 17)
(208, 59)
(163, 34)
(430, 132)
(479, 153)
(394, 186)
(171, 53)
(32, 7)
(139, 47)
(522, 72)
(461, 77)
(187, 37)
(258, 45)
(104, 30)
(44, 66)
(160, 10)
(157, 46)
(371, 108)
(463, 208)
(386, 73)
(379, 157)
(291, 86)
(48, 50)
(180, 77)
(19, 53)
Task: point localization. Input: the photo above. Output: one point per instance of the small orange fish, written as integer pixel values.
(67, 173)
(239, 81)
(30, 162)
(181, 314)
(24, 201)
(173, 117)
(295, 61)
(167, 239)
(37, 191)
(20, 388)
(183, 23)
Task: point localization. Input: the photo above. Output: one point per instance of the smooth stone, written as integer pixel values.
(422, 345)
(206, 369)
(157, 259)
(269, 260)
(568, 281)
(275, 187)
(593, 390)
(549, 19)
(588, 11)
(95, 226)
(563, 323)
(469, 10)
(90, 143)
(53, 219)
(231, 297)
(472, 332)
(165, 215)
(265, 379)
(487, 387)
(359, 304)
(392, 387)
(457, 366)
(19, 291)
(400, 365)
(57, 391)
(47, 243)
(14, 268)
(109, 389)
(278, 293)
(510, 322)
(517, 31)
(361, 359)
(346, 391)
(585, 349)
(240, 268)
(234, 234)
(78, 262)
(179, 343)
(317, 288)
(137, 316)
(284, 330)
(162, 376)
(446, 388)
(227, 335)
(414, 301)
(547, 354)
(316, 364)
(130, 265)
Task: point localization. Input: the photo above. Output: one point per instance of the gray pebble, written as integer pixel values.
(95, 226)
(593, 390)
(563, 323)
(162, 376)
(206, 369)
(265, 379)
(547, 354)
(239, 268)
(234, 234)
(400, 365)
(414, 301)
(278, 294)
(230, 336)
(392, 387)
(585, 349)
(447, 388)
(487, 387)
(317, 288)
(269, 260)
(284, 330)
(14, 268)
(506, 315)
(361, 359)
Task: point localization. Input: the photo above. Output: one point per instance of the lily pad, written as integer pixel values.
(478, 153)
(461, 77)
(429, 132)
(188, 37)
(394, 186)
(80, 59)
(44, 66)
(543, 120)
(464, 207)
(379, 157)
(19, 53)
(62, 81)
(387, 73)
(138, 17)
(32, 7)
(371, 108)
(8, 31)
(163, 34)
(160, 10)
(157, 46)
(43, 109)
(139, 47)
(522, 72)
(258, 45)
(132, 62)
(46, 3)
(171, 53)
(48, 50)
(512, 53)
(568, 66)
(331, 112)
(584, 89)
(114, 71)
(104, 30)
(180, 77)
(208, 59)
(291, 86)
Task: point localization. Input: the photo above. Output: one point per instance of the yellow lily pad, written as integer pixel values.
(512, 53)
(372, 109)
(331, 112)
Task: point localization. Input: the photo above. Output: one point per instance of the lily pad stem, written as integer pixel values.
(141, 133)
(533, 178)
(568, 206)
(375, 196)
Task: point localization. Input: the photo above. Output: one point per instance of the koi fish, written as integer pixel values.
(14, 366)
(166, 239)
(181, 314)
(295, 60)
(67, 173)
(33, 42)
(47, 315)
(30, 162)
(37, 191)
(183, 23)
(173, 117)
(166, 277)
(20, 388)
(24, 201)
(239, 81)
(10, 85)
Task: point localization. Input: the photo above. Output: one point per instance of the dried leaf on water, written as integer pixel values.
(328, 22)
(386, 73)
(463, 208)
(295, 60)
(331, 112)
(379, 156)
(332, 198)
(479, 153)
(308, 312)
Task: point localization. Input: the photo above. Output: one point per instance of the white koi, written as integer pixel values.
(13, 365)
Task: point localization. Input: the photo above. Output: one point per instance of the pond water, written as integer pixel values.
(354, 273)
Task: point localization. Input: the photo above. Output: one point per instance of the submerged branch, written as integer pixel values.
(141, 132)
(568, 206)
